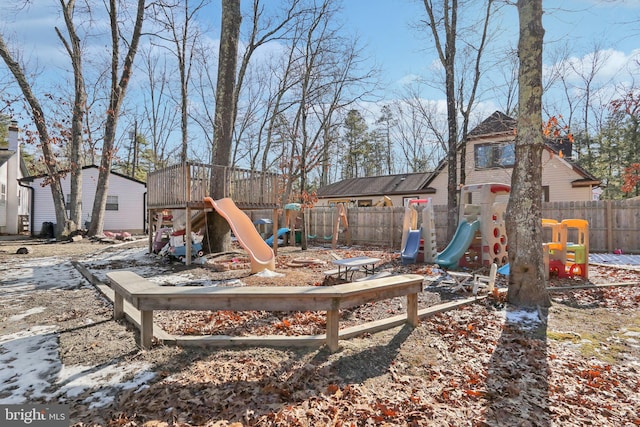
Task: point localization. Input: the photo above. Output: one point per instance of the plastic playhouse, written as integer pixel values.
(418, 241)
(481, 237)
(567, 258)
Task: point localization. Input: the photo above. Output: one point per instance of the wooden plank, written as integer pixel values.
(590, 286)
(373, 326)
(441, 308)
(118, 306)
(333, 327)
(412, 310)
(145, 295)
(250, 340)
(146, 328)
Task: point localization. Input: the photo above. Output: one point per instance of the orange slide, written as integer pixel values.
(260, 254)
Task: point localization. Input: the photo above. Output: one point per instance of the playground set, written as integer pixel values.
(168, 242)
(481, 240)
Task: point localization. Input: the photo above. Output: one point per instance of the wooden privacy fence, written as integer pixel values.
(612, 224)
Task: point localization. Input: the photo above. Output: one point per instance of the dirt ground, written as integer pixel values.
(579, 365)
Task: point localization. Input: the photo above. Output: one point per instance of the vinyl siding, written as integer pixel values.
(129, 216)
(557, 174)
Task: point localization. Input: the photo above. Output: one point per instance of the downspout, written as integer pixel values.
(31, 205)
(144, 214)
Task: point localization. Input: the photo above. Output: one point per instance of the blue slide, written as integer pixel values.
(409, 253)
(458, 245)
(281, 232)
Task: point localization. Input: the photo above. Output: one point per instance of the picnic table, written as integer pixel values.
(351, 265)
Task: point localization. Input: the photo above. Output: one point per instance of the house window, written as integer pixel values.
(3, 193)
(364, 203)
(545, 193)
(489, 156)
(112, 203)
(67, 203)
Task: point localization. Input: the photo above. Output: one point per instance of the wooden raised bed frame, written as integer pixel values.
(145, 297)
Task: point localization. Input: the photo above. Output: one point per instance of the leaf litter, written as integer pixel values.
(480, 365)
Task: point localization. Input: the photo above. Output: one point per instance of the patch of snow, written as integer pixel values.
(34, 310)
(269, 273)
(36, 273)
(28, 363)
(525, 319)
(106, 381)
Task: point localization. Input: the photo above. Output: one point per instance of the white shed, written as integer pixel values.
(126, 201)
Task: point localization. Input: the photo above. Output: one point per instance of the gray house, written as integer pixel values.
(393, 190)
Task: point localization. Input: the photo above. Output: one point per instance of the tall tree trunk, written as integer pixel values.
(527, 285)
(219, 236)
(447, 56)
(79, 109)
(118, 90)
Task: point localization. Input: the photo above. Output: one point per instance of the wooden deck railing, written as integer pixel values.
(187, 184)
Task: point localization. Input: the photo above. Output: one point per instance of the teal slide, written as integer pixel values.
(281, 232)
(458, 245)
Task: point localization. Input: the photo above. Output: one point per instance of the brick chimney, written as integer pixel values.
(565, 146)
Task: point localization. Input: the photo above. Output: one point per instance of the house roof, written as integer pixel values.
(32, 178)
(499, 123)
(496, 123)
(5, 155)
(407, 183)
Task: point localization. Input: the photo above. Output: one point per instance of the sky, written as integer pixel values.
(392, 40)
(390, 29)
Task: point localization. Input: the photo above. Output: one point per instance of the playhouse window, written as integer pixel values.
(112, 203)
(488, 156)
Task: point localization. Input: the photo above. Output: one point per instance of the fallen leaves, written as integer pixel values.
(463, 367)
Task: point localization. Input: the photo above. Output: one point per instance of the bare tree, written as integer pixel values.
(74, 49)
(385, 123)
(445, 43)
(527, 285)
(421, 130)
(467, 95)
(183, 33)
(504, 78)
(158, 119)
(120, 79)
(40, 121)
(442, 20)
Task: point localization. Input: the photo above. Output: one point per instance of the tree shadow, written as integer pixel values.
(517, 386)
(368, 363)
